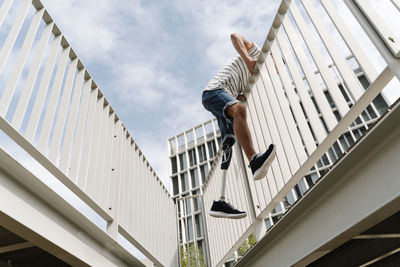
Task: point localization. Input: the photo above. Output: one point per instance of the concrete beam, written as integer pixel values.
(358, 192)
(30, 209)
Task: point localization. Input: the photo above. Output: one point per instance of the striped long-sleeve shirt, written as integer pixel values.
(234, 76)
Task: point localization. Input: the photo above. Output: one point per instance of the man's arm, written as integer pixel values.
(242, 46)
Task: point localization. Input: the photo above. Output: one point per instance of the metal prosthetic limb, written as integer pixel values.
(227, 145)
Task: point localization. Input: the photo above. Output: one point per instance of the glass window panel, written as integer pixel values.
(216, 127)
(199, 134)
(181, 142)
(190, 136)
(174, 165)
(172, 145)
(314, 177)
(209, 129)
(363, 81)
(180, 232)
(184, 181)
(192, 157)
(202, 153)
(190, 228)
(290, 198)
(302, 186)
(175, 185)
(195, 177)
(268, 223)
(196, 200)
(380, 104)
(204, 172)
(212, 150)
(202, 253)
(182, 161)
(188, 204)
(199, 225)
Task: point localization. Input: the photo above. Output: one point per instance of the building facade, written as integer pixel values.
(191, 154)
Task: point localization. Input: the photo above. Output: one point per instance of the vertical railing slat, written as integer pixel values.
(348, 75)
(5, 7)
(279, 167)
(62, 112)
(319, 61)
(102, 176)
(309, 107)
(13, 34)
(362, 59)
(79, 131)
(42, 91)
(270, 85)
(380, 26)
(71, 121)
(99, 138)
(108, 166)
(294, 101)
(280, 90)
(88, 140)
(259, 144)
(32, 76)
(270, 188)
(20, 63)
(53, 101)
(319, 96)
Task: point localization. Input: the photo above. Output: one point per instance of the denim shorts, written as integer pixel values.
(217, 102)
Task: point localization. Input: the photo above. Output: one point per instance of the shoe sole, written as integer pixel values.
(220, 214)
(262, 171)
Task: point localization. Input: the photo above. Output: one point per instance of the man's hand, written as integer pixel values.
(242, 46)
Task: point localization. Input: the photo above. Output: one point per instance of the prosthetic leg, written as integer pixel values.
(227, 145)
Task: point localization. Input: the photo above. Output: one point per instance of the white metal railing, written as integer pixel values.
(53, 109)
(289, 105)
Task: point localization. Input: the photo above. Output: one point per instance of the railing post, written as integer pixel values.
(206, 240)
(112, 226)
(260, 229)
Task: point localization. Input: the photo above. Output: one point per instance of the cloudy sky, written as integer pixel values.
(151, 59)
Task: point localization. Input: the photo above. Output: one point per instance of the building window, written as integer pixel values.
(180, 231)
(212, 150)
(190, 138)
(181, 142)
(174, 165)
(172, 144)
(209, 130)
(380, 104)
(199, 225)
(175, 185)
(195, 177)
(192, 157)
(202, 153)
(188, 206)
(184, 181)
(190, 228)
(182, 161)
(204, 172)
(201, 253)
(196, 200)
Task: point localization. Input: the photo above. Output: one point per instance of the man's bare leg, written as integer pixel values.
(242, 132)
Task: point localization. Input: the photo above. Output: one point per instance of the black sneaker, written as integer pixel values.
(222, 209)
(261, 161)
